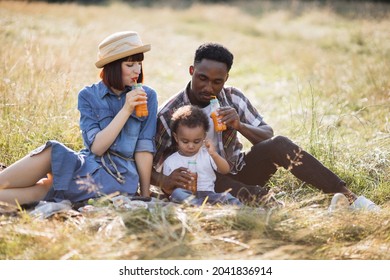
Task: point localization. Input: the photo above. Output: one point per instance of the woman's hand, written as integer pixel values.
(135, 97)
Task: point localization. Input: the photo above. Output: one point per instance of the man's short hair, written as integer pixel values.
(214, 51)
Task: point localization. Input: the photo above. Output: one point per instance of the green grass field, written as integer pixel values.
(318, 72)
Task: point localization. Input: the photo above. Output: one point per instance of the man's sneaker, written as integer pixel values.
(2, 166)
(363, 203)
(338, 202)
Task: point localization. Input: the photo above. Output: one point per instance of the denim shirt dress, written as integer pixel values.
(78, 176)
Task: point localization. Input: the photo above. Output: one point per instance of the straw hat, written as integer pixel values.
(119, 45)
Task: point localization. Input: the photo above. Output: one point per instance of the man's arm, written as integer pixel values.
(254, 134)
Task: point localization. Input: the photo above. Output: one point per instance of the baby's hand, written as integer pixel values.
(209, 146)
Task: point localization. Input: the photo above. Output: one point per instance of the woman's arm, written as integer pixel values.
(105, 138)
(144, 162)
(145, 147)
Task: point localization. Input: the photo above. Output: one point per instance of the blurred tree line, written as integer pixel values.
(151, 2)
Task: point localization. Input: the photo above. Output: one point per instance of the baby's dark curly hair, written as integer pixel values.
(216, 52)
(190, 116)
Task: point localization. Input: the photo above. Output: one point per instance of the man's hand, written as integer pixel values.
(179, 178)
(230, 117)
(254, 134)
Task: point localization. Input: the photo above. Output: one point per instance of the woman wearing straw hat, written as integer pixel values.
(119, 145)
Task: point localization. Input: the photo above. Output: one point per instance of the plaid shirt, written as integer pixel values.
(232, 147)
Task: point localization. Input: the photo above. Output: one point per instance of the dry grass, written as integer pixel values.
(317, 72)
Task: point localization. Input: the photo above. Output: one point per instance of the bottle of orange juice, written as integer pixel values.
(218, 125)
(194, 174)
(141, 110)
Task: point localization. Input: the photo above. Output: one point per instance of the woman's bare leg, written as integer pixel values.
(25, 195)
(25, 180)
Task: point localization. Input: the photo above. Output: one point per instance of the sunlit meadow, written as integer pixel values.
(319, 73)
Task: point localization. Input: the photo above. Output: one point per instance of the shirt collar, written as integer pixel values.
(104, 90)
(186, 99)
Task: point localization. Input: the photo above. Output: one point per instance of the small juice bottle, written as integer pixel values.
(141, 110)
(194, 174)
(218, 125)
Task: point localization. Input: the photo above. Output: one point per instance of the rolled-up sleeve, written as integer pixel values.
(89, 123)
(246, 111)
(145, 146)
